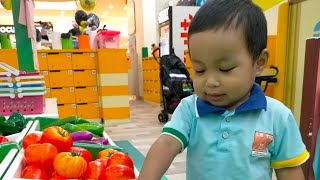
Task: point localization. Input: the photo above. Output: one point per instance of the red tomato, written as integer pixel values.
(83, 153)
(120, 158)
(94, 169)
(117, 172)
(106, 153)
(34, 172)
(58, 178)
(41, 155)
(104, 161)
(57, 137)
(69, 165)
(32, 138)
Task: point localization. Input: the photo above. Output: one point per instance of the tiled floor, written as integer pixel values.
(143, 129)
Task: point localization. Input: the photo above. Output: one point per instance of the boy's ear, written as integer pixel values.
(262, 61)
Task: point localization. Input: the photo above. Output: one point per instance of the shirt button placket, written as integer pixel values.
(225, 135)
(228, 119)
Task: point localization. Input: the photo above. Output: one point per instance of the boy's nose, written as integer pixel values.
(212, 82)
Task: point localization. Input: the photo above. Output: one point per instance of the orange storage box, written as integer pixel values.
(42, 59)
(156, 75)
(66, 110)
(59, 61)
(64, 95)
(81, 61)
(156, 86)
(86, 94)
(46, 78)
(61, 78)
(88, 110)
(48, 93)
(85, 78)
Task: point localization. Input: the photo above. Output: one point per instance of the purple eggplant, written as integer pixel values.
(81, 135)
(101, 141)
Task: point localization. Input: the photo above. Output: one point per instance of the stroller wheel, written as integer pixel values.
(163, 117)
(167, 116)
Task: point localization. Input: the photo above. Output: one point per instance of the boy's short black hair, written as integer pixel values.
(216, 14)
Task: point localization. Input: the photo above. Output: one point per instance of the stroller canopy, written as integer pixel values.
(174, 64)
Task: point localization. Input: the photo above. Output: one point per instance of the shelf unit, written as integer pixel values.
(92, 84)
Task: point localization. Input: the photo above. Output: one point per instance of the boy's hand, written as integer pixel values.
(290, 173)
(159, 158)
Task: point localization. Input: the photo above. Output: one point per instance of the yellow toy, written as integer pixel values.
(88, 5)
(6, 4)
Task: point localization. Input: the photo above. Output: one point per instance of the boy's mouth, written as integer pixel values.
(214, 96)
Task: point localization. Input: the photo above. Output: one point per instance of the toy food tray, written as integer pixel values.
(23, 92)
(25, 103)
(14, 75)
(15, 169)
(9, 150)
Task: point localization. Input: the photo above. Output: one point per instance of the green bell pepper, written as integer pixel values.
(95, 128)
(59, 122)
(18, 119)
(71, 128)
(78, 120)
(8, 127)
(2, 118)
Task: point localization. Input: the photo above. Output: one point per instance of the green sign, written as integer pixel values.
(23, 42)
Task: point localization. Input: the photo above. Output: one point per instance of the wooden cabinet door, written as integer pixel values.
(310, 107)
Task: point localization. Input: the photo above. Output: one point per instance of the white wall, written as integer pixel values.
(272, 19)
(139, 42)
(146, 31)
(149, 23)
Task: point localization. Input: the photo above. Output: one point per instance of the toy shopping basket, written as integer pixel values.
(21, 92)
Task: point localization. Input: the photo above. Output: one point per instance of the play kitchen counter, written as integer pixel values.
(14, 161)
(92, 84)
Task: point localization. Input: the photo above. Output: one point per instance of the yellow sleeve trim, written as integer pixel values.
(296, 161)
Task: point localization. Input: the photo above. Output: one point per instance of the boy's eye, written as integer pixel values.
(226, 70)
(200, 72)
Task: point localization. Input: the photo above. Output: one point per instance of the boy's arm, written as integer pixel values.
(159, 157)
(290, 173)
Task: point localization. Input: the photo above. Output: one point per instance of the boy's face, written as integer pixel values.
(224, 70)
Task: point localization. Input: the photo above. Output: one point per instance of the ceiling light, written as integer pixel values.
(111, 6)
(54, 5)
(125, 7)
(106, 13)
(104, 16)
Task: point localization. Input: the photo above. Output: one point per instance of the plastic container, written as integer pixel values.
(9, 150)
(84, 41)
(21, 92)
(5, 41)
(66, 41)
(108, 39)
(16, 167)
(144, 52)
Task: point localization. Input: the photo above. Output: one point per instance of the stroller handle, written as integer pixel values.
(154, 56)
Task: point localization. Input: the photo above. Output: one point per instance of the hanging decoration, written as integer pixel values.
(6, 4)
(85, 22)
(88, 5)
